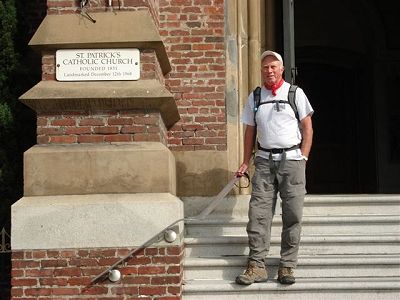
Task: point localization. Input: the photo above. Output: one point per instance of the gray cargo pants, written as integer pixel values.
(268, 180)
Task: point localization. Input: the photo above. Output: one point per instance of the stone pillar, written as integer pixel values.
(100, 181)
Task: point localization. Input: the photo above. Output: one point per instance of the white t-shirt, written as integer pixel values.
(278, 127)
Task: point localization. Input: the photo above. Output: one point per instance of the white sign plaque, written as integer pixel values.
(97, 64)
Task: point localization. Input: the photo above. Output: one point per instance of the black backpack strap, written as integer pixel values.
(291, 100)
(257, 100)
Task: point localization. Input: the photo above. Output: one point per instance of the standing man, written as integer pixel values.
(284, 145)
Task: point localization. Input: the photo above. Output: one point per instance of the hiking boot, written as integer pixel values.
(285, 275)
(252, 274)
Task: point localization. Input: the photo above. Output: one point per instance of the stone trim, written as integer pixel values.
(121, 29)
(82, 170)
(54, 96)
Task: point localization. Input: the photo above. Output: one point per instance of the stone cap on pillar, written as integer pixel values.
(120, 29)
(49, 96)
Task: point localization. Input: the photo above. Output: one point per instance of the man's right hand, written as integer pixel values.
(242, 169)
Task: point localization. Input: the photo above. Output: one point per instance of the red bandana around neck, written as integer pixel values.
(275, 87)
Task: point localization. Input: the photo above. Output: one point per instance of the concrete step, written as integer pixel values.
(237, 206)
(349, 250)
(326, 266)
(355, 288)
(310, 245)
(345, 224)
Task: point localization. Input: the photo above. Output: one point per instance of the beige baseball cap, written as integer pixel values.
(272, 53)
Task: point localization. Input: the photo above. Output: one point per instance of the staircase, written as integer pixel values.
(349, 250)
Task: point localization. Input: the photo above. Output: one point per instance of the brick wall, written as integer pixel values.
(193, 32)
(100, 127)
(154, 273)
(73, 6)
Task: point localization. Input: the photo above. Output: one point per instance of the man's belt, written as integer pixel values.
(279, 150)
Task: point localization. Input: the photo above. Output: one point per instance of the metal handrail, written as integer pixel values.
(167, 230)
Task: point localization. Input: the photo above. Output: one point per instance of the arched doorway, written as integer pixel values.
(333, 57)
(344, 135)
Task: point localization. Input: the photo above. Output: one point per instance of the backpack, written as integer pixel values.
(290, 101)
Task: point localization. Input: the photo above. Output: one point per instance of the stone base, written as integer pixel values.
(61, 243)
(201, 173)
(92, 221)
(142, 167)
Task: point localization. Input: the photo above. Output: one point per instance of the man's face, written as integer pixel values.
(272, 70)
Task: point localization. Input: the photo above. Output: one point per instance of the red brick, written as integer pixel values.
(78, 130)
(48, 77)
(68, 272)
(108, 261)
(165, 280)
(102, 253)
(53, 253)
(139, 260)
(23, 282)
(17, 273)
(59, 4)
(37, 292)
(118, 138)
(193, 141)
(54, 263)
(83, 262)
(173, 260)
(48, 59)
(38, 272)
(95, 290)
(39, 254)
(174, 270)
(152, 290)
(41, 121)
(17, 255)
(91, 138)
(120, 121)
(151, 251)
(139, 137)
(151, 270)
(129, 270)
(147, 120)
(134, 290)
(49, 130)
(92, 122)
(79, 281)
(17, 292)
(21, 264)
(64, 291)
(69, 139)
(174, 290)
(157, 260)
(53, 281)
(174, 250)
(83, 253)
(137, 280)
(106, 130)
(92, 271)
